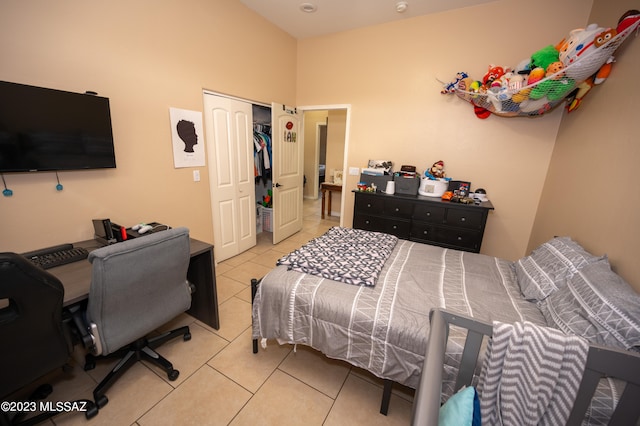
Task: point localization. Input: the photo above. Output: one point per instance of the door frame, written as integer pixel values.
(347, 133)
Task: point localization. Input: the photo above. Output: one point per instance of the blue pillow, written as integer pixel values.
(462, 409)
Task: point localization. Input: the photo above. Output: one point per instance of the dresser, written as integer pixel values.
(423, 219)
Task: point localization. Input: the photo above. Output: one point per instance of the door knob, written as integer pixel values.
(277, 185)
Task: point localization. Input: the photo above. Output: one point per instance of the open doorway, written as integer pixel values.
(330, 124)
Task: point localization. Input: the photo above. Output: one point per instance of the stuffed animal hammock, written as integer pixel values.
(564, 72)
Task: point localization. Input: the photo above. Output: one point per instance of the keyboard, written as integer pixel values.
(56, 256)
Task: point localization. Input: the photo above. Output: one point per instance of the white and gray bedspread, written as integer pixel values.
(384, 328)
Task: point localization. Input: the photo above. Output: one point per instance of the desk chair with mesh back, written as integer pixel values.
(31, 330)
(136, 287)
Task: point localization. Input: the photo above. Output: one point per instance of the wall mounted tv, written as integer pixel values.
(46, 130)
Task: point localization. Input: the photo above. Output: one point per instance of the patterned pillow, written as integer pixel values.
(549, 265)
(598, 305)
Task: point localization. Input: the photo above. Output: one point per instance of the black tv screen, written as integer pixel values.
(45, 129)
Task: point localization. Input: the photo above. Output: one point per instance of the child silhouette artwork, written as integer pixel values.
(187, 132)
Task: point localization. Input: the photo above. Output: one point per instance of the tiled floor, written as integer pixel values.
(223, 383)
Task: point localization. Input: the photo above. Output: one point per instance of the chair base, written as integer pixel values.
(141, 349)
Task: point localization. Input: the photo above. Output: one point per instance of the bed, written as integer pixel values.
(383, 326)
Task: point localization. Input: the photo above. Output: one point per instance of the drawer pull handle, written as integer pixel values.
(395, 226)
(367, 222)
(428, 213)
(369, 205)
(425, 232)
(462, 219)
(397, 209)
(459, 238)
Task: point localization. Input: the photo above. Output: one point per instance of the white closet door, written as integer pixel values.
(287, 171)
(229, 135)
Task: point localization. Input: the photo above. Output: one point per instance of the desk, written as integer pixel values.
(328, 187)
(76, 278)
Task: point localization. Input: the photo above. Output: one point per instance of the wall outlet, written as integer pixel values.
(354, 171)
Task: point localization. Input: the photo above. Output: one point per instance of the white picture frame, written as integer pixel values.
(187, 138)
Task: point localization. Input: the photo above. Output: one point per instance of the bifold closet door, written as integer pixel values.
(229, 134)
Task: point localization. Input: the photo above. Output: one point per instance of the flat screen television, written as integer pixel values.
(45, 130)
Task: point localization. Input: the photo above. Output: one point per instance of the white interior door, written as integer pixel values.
(229, 136)
(287, 171)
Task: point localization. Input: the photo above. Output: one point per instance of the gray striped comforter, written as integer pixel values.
(384, 328)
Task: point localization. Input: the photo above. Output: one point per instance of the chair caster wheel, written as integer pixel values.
(186, 337)
(173, 375)
(102, 401)
(92, 411)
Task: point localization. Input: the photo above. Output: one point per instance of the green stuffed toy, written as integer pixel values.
(555, 86)
(544, 57)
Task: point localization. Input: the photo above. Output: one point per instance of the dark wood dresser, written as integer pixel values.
(423, 219)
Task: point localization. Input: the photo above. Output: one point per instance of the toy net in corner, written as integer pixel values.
(544, 95)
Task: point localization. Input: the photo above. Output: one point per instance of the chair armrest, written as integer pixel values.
(81, 327)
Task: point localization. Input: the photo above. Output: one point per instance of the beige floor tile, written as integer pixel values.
(187, 357)
(313, 368)
(247, 270)
(268, 258)
(239, 259)
(284, 400)
(235, 317)
(245, 295)
(227, 287)
(238, 362)
(359, 404)
(222, 267)
(287, 246)
(205, 398)
(130, 397)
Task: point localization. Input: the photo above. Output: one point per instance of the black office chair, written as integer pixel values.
(136, 287)
(31, 330)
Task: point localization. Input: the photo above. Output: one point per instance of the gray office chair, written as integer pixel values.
(136, 287)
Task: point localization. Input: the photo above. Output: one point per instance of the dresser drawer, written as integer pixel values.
(462, 239)
(369, 204)
(422, 231)
(398, 208)
(399, 228)
(369, 223)
(429, 213)
(464, 218)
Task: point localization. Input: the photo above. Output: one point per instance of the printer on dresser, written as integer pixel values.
(423, 219)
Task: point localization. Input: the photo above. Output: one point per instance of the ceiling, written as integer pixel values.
(332, 16)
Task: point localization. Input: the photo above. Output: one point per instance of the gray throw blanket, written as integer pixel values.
(351, 256)
(530, 375)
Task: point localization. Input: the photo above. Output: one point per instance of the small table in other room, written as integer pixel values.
(328, 187)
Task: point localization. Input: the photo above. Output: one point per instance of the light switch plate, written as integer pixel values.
(354, 171)
(196, 175)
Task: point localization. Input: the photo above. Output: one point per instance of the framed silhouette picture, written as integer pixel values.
(187, 138)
